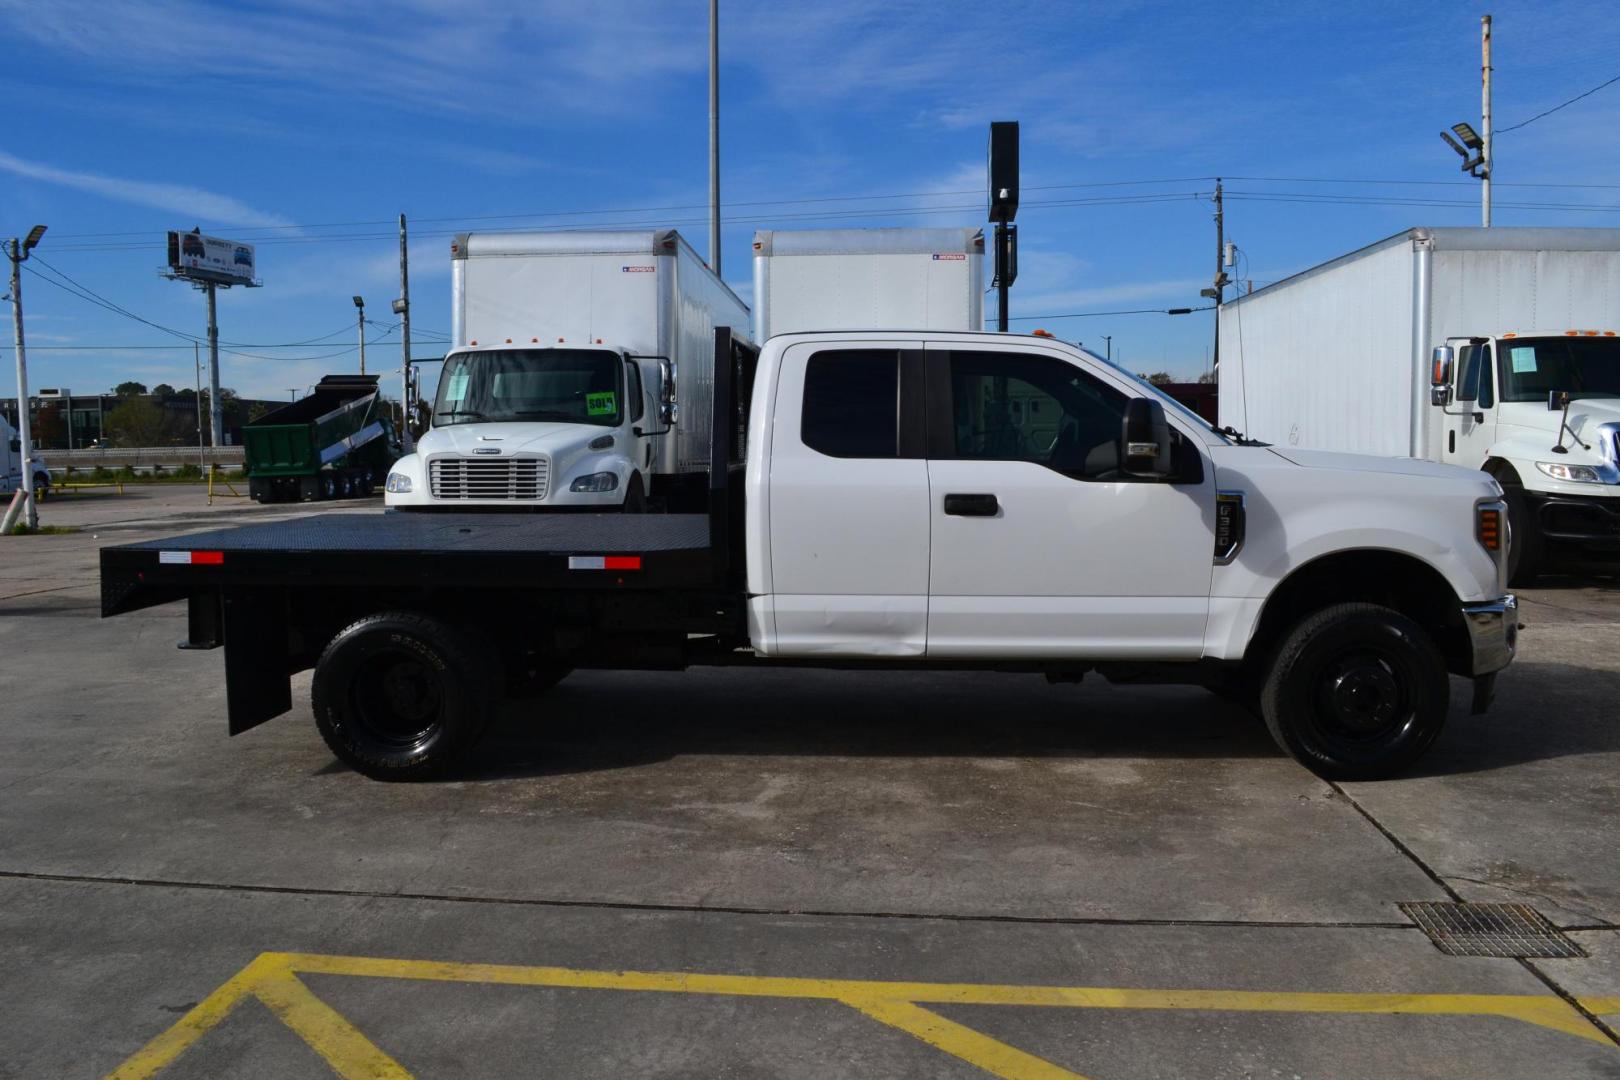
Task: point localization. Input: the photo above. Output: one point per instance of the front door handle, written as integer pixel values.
(972, 505)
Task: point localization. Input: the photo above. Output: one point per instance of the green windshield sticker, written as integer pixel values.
(603, 404)
(1523, 359)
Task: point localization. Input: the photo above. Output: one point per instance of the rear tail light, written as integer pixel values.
(1490, 528)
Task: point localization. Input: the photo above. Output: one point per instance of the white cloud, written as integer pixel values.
(192, 202)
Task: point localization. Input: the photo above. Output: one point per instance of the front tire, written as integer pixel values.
(1356, 692)
(399, 696)
(1525, 542)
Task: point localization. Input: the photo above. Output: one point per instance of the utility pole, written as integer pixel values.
(714, 136)
(402, 308)
(196, 365)
(216, 409)
(360, 309)
(1218, 293)
(18, 253)
(1485, 118)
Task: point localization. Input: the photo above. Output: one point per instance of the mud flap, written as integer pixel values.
(257, 686)
(1484, 694)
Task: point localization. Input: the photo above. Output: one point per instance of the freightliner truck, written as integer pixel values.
(874, 502)
(579, 378)
(1494, 349)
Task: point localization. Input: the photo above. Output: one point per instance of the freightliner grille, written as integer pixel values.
(471, 478)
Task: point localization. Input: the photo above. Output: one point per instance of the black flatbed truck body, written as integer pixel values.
(608, 589)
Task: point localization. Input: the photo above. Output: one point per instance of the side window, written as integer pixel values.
(852, 403)
(1474, 382)
(632, 386)
(1021, 407)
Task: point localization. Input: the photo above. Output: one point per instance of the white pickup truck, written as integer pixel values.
(891, 500)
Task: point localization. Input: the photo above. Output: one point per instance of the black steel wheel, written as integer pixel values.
(399, 696)
(1356, 692)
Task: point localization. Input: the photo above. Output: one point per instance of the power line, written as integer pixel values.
(1092, 314)
(1555, 108)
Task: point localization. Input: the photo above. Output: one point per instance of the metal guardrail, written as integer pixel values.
(139, 458)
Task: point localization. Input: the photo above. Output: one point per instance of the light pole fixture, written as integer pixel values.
(18, 251)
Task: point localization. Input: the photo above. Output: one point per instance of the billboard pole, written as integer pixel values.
(216, 408)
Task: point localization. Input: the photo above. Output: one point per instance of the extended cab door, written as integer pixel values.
(849, 501)
(1040, 546)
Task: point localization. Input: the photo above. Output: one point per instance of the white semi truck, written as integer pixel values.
(1494, 349)
(887, 507)
(581, 375)
(868, 279)
(11, 464)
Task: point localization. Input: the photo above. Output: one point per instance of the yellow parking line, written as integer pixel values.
(350, 1054)
(974, 1047)
(272, 978)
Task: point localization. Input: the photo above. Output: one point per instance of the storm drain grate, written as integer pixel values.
(1506, 930)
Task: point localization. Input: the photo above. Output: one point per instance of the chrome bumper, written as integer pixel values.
(1493, 630)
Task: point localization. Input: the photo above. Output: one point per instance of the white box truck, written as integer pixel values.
(868, 279)
(581, 375)
(1461, 345)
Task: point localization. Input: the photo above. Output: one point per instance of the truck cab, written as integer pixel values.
(11, 464)
(558, 427)
(1540, 412)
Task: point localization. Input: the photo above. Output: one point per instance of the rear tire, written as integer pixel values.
(1356, 692)
(399, 696)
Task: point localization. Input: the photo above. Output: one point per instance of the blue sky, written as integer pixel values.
(306, 127)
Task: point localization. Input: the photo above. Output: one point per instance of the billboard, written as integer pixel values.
(208, 258)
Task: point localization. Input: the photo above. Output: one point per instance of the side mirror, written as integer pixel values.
(669, 410)
(1557, 400)
(1145, 439)
(1440, 376)
(16, 446)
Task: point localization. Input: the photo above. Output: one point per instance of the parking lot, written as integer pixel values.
(777, 873)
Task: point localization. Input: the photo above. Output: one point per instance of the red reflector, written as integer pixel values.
(622, 562)
(207, 558)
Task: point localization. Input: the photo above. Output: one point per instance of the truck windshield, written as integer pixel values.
(1534, 367)
(576, 386)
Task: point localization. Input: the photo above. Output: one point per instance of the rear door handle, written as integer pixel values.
(972, 505)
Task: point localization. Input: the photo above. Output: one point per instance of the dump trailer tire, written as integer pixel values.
(401, 696)
(1356, 692)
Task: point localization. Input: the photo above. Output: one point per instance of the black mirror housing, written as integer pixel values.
(1557, 400)
(1145, 440)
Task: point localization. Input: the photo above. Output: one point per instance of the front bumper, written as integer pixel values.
(1493, 632)
(1588, 522)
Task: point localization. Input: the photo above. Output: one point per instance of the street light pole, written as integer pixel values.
(18, 251)
(402, 308)
(714, 136)
(1485, 119)
(1108, 347)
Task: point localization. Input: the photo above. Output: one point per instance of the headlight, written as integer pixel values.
(596, 481)
(1576, 474)
(397, 483)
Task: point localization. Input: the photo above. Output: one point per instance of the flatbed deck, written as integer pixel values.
(579, 551)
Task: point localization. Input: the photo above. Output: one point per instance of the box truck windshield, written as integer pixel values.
(1585, 367)
(576, 386)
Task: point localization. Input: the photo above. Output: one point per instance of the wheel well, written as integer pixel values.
(1502, 472)
(1395, 580)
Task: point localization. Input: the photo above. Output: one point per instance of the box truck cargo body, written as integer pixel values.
(868, 279)
(581, 374)
(1446, 344)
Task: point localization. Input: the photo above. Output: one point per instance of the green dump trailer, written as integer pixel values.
(334, 444)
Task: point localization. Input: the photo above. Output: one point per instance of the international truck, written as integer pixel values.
(335, 442)
(11, 464)
(874, 503)
(1494, 349)
(868, 279)
(581, 376)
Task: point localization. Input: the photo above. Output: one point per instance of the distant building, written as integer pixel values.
(86, 417)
